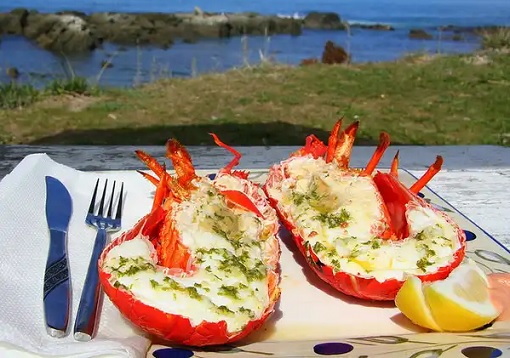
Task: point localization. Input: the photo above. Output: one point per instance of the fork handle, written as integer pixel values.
(86, 318)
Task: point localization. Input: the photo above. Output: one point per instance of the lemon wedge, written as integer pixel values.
(459, 303)
(411, 302)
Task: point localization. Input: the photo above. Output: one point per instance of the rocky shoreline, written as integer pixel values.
(74, 32)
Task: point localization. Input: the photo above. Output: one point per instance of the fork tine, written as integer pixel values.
(93, 201)
(119, 206)
(101, 204)
(112, 198)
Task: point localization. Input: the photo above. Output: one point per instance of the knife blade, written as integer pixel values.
(57, 285)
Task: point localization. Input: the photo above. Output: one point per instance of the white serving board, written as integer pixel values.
(311, 312)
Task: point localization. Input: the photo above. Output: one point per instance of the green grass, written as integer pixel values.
(17, 96)
(420, 100)
(496, 39)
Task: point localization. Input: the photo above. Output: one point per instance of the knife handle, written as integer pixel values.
(86, 317)
(57, 287)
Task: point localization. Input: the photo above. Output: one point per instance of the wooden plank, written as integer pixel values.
(123, 158)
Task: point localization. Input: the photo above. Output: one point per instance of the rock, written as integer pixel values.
(308, 61)
(264, 25)
(190, 38)
(74, 13)
(13, 23)
(12, 72)
(457, 37)
(474, 30)
(450, 28)
(250, 14)
(209, 20)
(135, 29)
(334, 54)
(419, 34)
(66, 33)
(106, 64)
(323, 20)
(379, 27)
(75, 32)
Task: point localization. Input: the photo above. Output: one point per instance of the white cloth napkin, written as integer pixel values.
(24, 241)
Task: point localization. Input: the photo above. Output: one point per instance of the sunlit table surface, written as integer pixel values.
(474, 179)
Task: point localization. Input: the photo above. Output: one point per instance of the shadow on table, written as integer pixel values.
(256, 134)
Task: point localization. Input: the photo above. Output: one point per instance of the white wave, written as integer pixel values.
(295, 15)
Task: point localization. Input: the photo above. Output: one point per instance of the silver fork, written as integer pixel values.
(88, 310)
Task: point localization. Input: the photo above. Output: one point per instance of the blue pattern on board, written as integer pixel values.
(470, 236)
(172, 353)
(332, 348)
(481, 352)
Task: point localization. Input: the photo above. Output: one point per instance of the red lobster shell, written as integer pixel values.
(172, 265)
(397, 239)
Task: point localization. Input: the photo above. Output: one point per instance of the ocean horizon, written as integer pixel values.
(215, 55)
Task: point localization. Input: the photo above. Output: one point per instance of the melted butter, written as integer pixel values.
(340, 217)
(232, 253)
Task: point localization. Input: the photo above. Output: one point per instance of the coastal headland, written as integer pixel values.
(74, 32)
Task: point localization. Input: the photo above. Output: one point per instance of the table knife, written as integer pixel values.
(57, 285)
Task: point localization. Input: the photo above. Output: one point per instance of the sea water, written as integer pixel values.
(133, 65)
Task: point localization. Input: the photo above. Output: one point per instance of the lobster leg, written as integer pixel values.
(240, 199)
(237, 155)
(384, 143)
(182, 163)
(151, 162)
(429, 174)
(394, 165)
(172, 253)
(157, 213)
(313, 146)
(162, 191)
(149, 177)
(333, 140)
(235, 162)
(344, 145)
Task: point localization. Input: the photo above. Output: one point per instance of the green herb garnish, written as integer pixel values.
(318, 247)
(334, 220)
